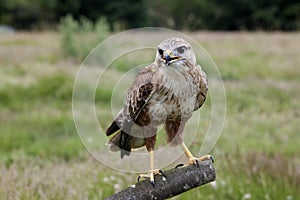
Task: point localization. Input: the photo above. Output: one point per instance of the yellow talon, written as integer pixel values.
(151, 175)
(192, 159)
(152, 172)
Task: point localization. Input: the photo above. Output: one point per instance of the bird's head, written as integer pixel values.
(175, 51)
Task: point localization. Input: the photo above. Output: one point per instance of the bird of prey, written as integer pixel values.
(165, 92)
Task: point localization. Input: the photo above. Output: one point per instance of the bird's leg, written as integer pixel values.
(192, 159)
(152, 171)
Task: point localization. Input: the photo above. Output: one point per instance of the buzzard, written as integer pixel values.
(167, 92)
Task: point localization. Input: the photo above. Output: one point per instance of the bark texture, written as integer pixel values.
(178, 181)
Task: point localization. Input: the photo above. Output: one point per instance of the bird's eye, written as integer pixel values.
(181, 49)
(160, 51)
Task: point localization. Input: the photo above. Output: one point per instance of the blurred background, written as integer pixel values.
(178, 14)
(255, 44)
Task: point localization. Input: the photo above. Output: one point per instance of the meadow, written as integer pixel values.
(257, 154)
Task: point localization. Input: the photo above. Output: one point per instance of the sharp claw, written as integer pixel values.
(179, 165)
(152, 183)
(163, 173)
(197, 163)
(151, 175)
(212, 159)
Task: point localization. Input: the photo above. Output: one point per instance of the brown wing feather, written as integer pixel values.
(138, 95)
(140, 92)
(201, 97)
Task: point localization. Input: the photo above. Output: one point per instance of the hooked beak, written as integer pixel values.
(169, 58)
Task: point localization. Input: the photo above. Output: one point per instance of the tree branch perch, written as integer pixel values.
(178, 181)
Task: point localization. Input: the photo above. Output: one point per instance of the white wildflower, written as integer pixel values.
(116, 187)
(112, 178)
(105, 180)
(214, 184)
(246, 196)
(289, 197)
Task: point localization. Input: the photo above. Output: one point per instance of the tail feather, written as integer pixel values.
(115, 126)
(121, 142)
(125, 144)
(112, 128)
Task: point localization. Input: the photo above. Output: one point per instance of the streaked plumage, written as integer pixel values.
(165, 92)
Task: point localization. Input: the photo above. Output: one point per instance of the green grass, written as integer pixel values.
(32, 126)
(257, 155)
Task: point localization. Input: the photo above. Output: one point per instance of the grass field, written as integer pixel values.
(257, 155)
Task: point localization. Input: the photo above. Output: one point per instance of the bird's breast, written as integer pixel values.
(175, 95)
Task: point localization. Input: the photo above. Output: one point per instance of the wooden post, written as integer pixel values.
(178, 181)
